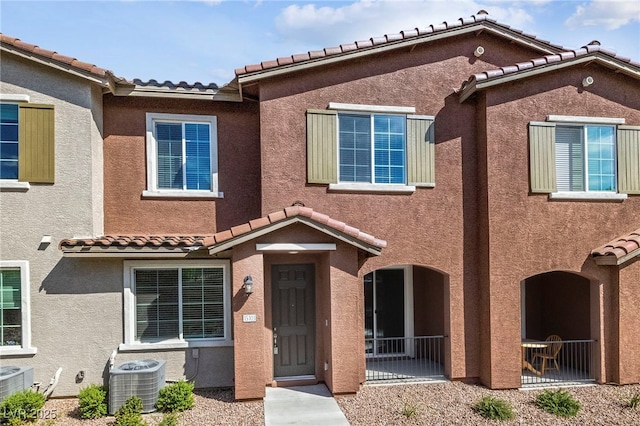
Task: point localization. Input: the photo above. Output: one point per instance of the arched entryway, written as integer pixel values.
(404, 315)
(557, 342)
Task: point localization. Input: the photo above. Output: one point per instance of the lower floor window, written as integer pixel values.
(11, 307)
(15, 321)
(184, 302)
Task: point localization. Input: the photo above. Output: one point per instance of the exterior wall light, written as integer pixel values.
(479, 51)
(248, 284)
(587, 81)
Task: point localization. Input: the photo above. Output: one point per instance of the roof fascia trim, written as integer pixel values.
(482, 25)
(474, 86)
(225, 245)
(57, 65)
(96, 251)
(165, 92)
(611, 260)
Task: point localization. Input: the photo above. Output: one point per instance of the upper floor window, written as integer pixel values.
(575, 157)
(586, 158)
(27, 135)
(8, 141)
(372, 148)
(356, 147)
(181, 155)
(15, 329)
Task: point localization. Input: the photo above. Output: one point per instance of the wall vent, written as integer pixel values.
(143, 378)
(14, 379)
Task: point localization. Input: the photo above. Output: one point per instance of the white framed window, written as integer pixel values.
(585, 158)
(9, 141)
(182, 156)
(176, 304)
(15, 315)
(372, 148)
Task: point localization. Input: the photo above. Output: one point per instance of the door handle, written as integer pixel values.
(275, 341)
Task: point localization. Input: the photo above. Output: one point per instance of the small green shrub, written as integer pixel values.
(494, 409)
(93, 401)
(559, 402)
(410, 409)
(176, 397)
(130, 413)
(169, 420)
(21, 407)
(634, 402)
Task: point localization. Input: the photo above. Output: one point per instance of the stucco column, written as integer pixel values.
(629, 324)
(249, 357)
(347, 336)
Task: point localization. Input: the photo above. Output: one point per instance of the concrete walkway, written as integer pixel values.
(302, 405)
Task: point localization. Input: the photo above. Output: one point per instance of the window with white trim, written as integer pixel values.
(372, 148)
(182, 155)
(586, 158)
(573, 157)
(27, 142)
(8, 141)
(173, 302)
(15, 320)
(354, 147)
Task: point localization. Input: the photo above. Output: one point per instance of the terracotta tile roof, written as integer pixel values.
(621, 247)
(171, 85)
(292, 212)
(548, 60)
(87, 68)
(388, 39)
(227, 236)
(134, 241)
(32, 49)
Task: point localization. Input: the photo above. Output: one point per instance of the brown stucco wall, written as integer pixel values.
(629, 323)
(250, 337)
(339, 312)
(431, 227)
(126, 212)
(529, 234)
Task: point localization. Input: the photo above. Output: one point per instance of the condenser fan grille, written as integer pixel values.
(6, 371)
(144, 364)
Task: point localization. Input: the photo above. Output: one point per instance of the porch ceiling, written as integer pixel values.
(618, 251)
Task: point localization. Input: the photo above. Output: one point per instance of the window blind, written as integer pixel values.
(10, 307)
(156, 304)
(569, 158)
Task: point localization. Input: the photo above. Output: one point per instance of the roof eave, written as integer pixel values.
(482, 25)
(127, 251)
(225, 245)
(102, 81)
(123, 89)
(613, 260)
(474, 86)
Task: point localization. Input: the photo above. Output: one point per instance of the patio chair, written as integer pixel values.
(549, 354)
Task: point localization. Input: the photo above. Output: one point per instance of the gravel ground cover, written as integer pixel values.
(452, 404)
(212, 407)
(448, 403)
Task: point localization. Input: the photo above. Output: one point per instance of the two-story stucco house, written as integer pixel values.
(433, 203)
(51, 186)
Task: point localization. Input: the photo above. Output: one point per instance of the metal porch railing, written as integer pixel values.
(404, 358)
(573, 363)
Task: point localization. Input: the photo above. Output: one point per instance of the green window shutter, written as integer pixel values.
(629, 160)
(420, 151)
(542, 158)
(36, 157)
(322, 145)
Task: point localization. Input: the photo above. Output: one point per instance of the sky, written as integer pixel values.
(205, 41)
